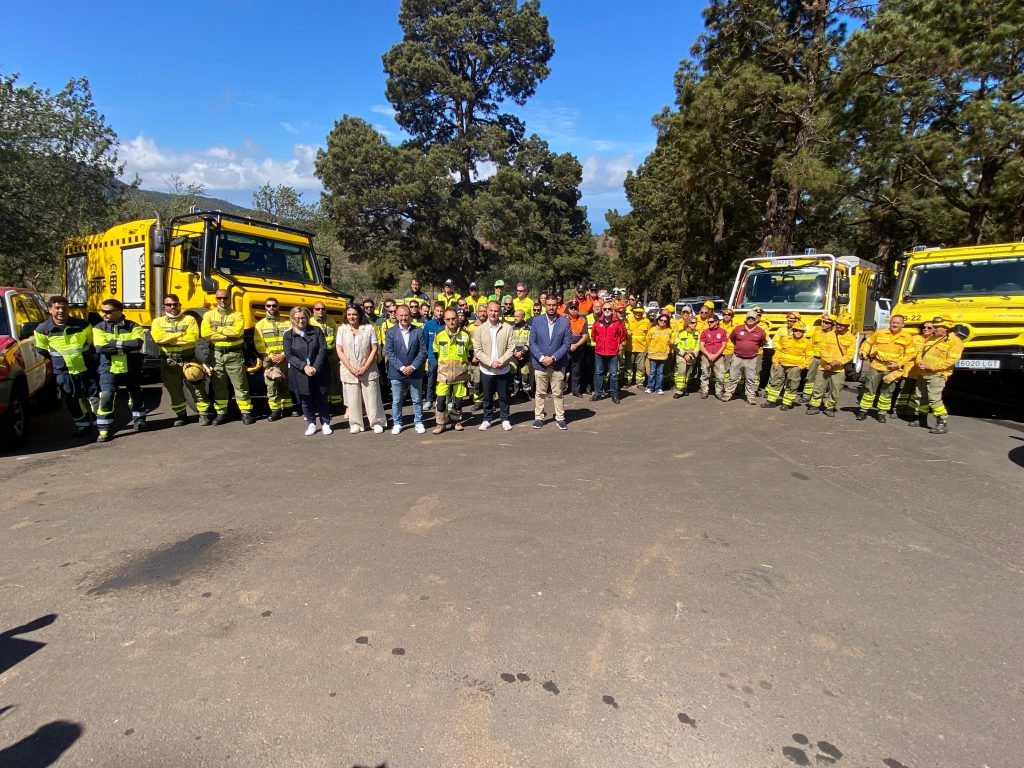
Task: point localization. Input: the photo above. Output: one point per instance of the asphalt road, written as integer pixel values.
(682, 583)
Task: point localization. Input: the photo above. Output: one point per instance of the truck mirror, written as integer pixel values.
(327, 270)
(26, 330)
(844, 287)
(843, 299)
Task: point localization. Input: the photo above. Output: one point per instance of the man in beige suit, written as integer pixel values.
(493, 346)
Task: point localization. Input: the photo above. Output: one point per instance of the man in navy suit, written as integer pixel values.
(549, 354)
(405, 350)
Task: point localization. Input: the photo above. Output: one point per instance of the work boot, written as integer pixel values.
(676, 396)
(801, 399)
(442, 420)
(813, 410)
(615, 399)
(247, 418)
(861, 414)
(786, 408)
(769, 404)
(830, 412)
(940, 427)
(103, 436)
(139, 425)
(220, 418)
(922, 420)
(204, 420)
(275, 415)
(180, 420)
(880, 418)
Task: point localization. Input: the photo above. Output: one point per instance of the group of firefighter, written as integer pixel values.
(804, 363)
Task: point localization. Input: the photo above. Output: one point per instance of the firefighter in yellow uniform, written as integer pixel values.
(792, 354)
(727, 324)
(225, 328)
(635, 348)
(521, 376)
(906, 401)
(453, 348)
(937, 361)
(835, 349)
(687, 345)
(325, 323)
(887, 350)
(118, 341)
(176, 335)
(268, 336)
(826, 325)
(707, 309)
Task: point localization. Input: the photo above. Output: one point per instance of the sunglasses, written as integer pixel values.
(171, 304)
(319, 309)
(270, 306)
(108, 311)
(222, 298)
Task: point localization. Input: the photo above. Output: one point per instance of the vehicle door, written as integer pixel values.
(28, 312)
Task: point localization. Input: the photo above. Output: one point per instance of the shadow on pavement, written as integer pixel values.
(42, 748)
(1016, 455)
(14, 650)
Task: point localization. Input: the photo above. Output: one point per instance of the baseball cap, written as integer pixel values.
(593, 286)
(449, 282)
(573, 305)
(753, 313)
(499, 283)
(709, 304)
(472, 285)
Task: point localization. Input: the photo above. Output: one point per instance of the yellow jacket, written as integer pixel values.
(883, 346)
(730, 348)
(940, 355)
(268, 335)
(910, 369)
(659, 343)
(175, 334)
(791, 351)
(636, 334)
(834, 350)
(225, 329)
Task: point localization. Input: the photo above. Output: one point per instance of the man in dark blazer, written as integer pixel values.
(549, 354)
(405, 351)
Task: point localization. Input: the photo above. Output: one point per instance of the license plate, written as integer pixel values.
(982, 364)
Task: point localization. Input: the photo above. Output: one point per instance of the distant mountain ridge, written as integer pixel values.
(162, 201)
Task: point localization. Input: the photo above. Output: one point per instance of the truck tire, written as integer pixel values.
(14, 423)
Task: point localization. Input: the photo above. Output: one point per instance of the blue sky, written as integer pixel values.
(235, 93)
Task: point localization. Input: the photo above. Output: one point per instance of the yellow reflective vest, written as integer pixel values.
(835, 350)
(791, 351)
(225, 329)
(940, 355)
(268, 335)
(330, 329)
(175, 334)
(115, 341)
(883, 346)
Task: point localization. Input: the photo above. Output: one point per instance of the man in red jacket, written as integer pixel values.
(608, 334)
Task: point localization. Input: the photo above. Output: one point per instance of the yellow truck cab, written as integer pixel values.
(980, 288)
(139, 262)
(811, 284)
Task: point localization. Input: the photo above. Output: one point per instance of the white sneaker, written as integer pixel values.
(419, 428)
(506, 425)
(377, 429)
(396, 430)
(310, 429)
(485, 425)
(355, 430)
(326, 429)
(661, 392)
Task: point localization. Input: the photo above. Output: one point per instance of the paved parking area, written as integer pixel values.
(683, 583)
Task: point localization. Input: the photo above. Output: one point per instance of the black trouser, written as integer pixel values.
(587, 380)
(576, 361)
(81, 395)
(489, 383)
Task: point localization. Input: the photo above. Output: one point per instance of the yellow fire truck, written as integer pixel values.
(809, 283)
(980, 288)
(195, 254)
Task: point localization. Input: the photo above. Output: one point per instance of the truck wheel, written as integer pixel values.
(14, 424)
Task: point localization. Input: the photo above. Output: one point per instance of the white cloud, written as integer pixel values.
(606, 173)
(289, 128)
(383, 109)
(218, 167)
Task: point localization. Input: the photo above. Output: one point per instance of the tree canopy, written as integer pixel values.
(58, 175)
(468, 193)
(790, 132)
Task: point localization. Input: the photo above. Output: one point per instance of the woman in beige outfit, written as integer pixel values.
(357, 351)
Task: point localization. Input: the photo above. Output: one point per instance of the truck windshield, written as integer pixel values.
(975, 277)
(777, 289)
(263, 257)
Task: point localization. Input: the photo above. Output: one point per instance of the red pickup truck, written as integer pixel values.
(25, 375)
